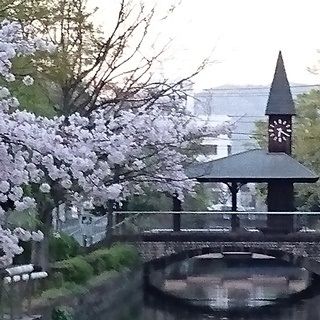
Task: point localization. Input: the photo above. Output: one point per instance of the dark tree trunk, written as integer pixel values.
(109, 229)
(40, 250)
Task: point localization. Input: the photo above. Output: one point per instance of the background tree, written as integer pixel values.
(306, 146)
(118, 65)
(259, 135)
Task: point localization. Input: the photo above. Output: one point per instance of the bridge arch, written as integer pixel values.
(288, 253)
(180, 252)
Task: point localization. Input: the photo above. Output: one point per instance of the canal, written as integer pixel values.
(228, 288)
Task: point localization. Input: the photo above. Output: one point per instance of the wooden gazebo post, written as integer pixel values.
(235, 221)
(176, 217)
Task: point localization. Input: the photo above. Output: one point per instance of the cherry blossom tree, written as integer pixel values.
(13, 162)
(116, 151)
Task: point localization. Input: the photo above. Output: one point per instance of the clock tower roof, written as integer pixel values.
(280, 100)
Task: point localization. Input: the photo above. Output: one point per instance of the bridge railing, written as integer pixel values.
(140, 222)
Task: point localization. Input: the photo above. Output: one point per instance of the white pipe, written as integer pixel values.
(7, 280)
(25, 277)
(20, 269)
(38, 275)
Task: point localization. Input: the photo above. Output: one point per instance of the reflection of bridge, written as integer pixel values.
(159, 245)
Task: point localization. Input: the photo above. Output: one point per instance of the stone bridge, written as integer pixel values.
(160, 250)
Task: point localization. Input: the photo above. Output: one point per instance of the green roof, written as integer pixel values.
(252, 166)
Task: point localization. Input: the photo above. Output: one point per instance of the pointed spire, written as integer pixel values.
(280, 98)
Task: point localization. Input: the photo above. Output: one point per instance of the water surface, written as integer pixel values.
(236, 289)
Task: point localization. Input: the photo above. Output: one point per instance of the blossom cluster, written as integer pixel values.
(108, 156)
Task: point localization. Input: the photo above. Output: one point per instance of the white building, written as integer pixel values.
(213, 148)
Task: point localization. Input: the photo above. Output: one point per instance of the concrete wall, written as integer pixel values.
(108, 300)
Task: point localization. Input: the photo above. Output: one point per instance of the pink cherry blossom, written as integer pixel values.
(83, 161)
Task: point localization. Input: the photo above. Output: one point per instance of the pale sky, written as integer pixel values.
(243, 36)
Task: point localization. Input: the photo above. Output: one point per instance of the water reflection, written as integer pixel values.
(237, 289)
(309, 310)
(234, 282)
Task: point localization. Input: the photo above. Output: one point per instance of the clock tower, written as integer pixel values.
(280, 110)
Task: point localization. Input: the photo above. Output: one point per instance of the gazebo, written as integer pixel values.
(252, 166)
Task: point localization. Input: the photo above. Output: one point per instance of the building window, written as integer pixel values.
(215, 149)
(208, 149)
(229, 150)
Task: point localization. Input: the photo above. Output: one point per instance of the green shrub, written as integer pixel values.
(79, 270)
(53, 293)
(102, 260)
(62, 313)
(114, 258)
(125, 255)
(55, 280)
(96, 262)
(76, 270)
(63, 247)
(67, 289)
(101, 278)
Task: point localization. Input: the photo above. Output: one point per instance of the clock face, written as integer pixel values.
(280, 130)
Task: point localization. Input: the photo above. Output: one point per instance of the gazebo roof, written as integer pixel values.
(252, 166)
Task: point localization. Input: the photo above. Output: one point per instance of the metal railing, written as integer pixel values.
(86, 233)
(138, 222)
(157, 222)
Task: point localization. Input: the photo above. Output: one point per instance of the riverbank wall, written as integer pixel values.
(99, 300)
